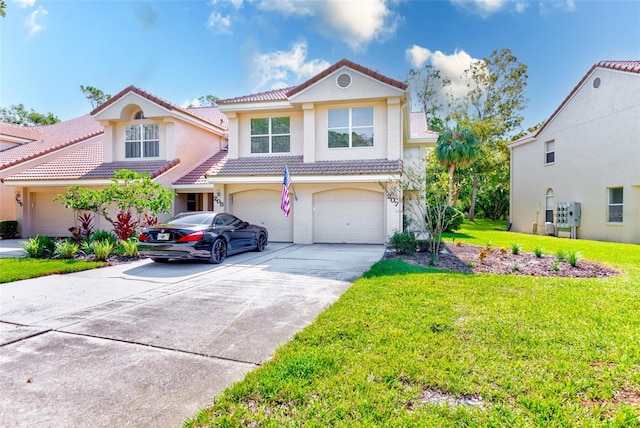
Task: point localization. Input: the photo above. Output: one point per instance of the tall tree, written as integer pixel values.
(456, 148)
(19, 115)
(429, 86)
(206, 101)
(492, 107)
(3, 6)
(94, 95)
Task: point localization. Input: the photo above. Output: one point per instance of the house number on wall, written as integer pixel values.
(393, 199)
(218, 201)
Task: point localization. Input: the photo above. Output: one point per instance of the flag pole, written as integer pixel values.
(291, 183)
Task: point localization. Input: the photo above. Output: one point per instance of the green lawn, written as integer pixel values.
(17, 269)
(525, 352)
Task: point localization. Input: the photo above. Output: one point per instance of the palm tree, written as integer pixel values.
(456, 148)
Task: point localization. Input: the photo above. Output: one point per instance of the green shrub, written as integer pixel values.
(403, 242)
(538, 251)
(515, 248)
(129, 247)
(573, 257)
(453, 219)
(561, 255)
(39, 246)
(102, 249)
(65, 249)
(104, 235)
(8, 229)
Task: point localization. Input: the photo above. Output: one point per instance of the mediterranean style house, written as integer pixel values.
(588, 153)
(340, 134)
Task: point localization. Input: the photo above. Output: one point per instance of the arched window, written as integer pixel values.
(550, 204)
(139, 115)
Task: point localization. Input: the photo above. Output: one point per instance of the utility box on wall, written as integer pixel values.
(568, 214)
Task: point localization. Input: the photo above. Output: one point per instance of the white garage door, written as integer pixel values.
(51, 217)
(349, 216)
(262, 207)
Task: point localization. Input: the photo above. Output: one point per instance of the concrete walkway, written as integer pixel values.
(11, 248)
(145, 344)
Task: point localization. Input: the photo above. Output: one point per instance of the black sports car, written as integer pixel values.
(201, 235)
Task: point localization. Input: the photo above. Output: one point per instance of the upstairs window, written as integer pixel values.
(142, 141)
(549, 152)
(350, 127)
(615, 208)
(271, 135)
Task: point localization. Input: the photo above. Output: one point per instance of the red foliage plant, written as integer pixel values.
(125, 226)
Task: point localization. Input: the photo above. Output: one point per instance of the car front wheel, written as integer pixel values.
(218, 251)
(262, 242)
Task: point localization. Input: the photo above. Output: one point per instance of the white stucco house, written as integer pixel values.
(340, 133)
(587, 152)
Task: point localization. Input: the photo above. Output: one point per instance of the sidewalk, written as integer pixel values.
(11, 248)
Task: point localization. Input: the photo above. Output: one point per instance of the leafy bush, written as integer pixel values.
(538, 251)
(573, 257)
(561, 255)
(84, 231)
(39, 246)
(102, 249)
(403, 242)
(8, 229)
(515, 248)
(130, 247)
(453, 219)
(104, 235)
(66, 249)
(125, 225)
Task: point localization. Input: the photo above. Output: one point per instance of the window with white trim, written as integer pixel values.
(271, 135)
(549, 206)
(142, 141)
(549, 152)
(350, 127)
(615, 206)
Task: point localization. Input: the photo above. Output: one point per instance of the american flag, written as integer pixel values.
(285, 204)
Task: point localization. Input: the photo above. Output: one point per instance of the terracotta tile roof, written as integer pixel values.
(354, 66)
(284, 93)
(197, 175)
(419, 126)
(273, 95)
(632, 66)
(52, 137)
(210, 117)
(87, 162)
(210, 114)
(24, 132)
(221, 166)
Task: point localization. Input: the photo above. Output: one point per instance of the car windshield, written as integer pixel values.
(192, 218)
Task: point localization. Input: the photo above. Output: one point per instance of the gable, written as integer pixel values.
(345, 84)
(127, 105)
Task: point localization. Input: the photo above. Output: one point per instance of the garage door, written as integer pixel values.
(51, 217)
(349, 216)
(262, 207)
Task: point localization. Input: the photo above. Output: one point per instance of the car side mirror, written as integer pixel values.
(245, 224)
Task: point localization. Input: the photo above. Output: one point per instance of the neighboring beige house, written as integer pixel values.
(341, 134)
(587, 152)
(133, 130)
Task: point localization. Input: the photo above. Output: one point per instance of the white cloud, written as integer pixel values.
(355, 22)
(562, 5)
(285, 68)
(484, 8)
(32, 24)
(219, 23)
(417, 56)
(236, 4)
(190, 103)
(521, 6)
(25, 3)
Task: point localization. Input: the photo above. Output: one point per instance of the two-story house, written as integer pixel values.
(587, 152)
(133, 130)
(341, 134)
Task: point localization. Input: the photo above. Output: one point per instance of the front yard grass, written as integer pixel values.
(407, 346)
(17, 269)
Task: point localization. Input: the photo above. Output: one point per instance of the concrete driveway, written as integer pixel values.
(145, 344)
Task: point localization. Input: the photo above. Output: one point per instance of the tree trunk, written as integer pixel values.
(451, 170)
(474, 192)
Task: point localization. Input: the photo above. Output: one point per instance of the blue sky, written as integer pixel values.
(180, 50)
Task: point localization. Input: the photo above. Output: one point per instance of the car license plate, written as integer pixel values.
(163, 236)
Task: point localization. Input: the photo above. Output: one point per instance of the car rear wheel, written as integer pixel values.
(218, 251)
(262, 242)
(159, 260)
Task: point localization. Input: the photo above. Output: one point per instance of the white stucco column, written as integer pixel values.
(394, 128)
(170, 139)
(309, 135)
(233, 131)
(108, 140)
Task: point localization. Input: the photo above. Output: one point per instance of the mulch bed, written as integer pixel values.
(464, 258)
